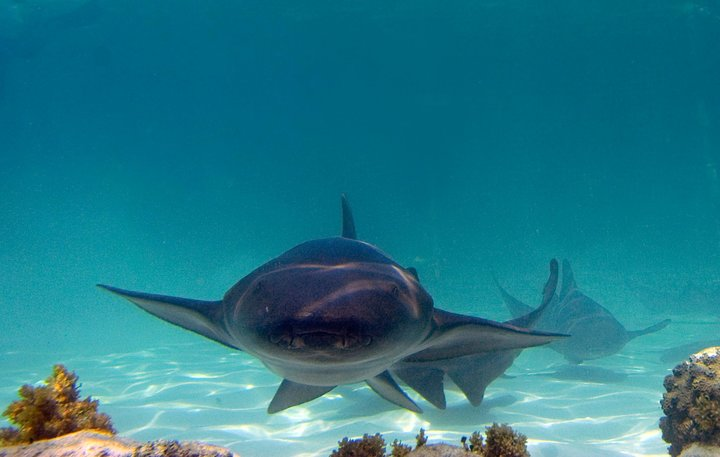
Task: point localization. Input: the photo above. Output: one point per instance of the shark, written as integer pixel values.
(472, 374)
(594, 331)
(338, 310)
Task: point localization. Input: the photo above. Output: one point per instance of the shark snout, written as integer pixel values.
(302, 337)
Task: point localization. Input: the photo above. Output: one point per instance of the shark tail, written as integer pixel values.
(652, 329)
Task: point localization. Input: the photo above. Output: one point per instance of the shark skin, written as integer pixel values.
(336, 311)
(594, 331)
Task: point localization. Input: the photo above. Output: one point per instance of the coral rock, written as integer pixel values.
(697, 450)
(367, 446)
(439, 450)
(95, 444)
(692, 402)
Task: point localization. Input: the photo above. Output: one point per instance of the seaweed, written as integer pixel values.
(475, 445)
(503, 441)
(367, 446)
(500, 441)
(399, 449)
(52, 410)
(420, 438)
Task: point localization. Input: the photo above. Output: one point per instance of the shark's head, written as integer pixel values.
(337, 314)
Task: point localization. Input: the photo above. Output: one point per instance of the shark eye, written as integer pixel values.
(259, 287)
(395, 291)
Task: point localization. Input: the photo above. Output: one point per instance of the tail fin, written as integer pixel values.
(652, 329)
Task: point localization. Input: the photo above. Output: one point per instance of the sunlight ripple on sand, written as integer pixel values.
(199, 391)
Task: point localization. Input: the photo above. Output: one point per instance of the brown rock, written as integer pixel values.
(697, 450)
(692, 402)
(439, 450)
(96, 444)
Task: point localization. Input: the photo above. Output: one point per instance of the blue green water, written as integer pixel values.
(174, 146)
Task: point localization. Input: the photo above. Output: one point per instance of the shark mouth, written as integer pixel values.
(289, 337)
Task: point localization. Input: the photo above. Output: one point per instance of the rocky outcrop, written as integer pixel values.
(440, 450)
(697, 450)
(692, 403)
(96, 444)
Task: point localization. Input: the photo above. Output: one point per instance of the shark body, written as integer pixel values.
(338, 310)
(594, 331)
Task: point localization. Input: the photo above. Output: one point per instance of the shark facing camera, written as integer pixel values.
(338, 310)
(354, 316)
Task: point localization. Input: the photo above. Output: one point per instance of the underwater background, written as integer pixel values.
(172, 147)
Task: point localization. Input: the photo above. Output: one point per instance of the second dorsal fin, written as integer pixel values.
(348, 223)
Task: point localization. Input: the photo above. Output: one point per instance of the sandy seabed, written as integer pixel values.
(201, 391)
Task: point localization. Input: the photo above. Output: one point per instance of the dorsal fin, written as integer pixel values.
(413, 271)
(529, 319)
(348, 223)
(568, 279)
(515, 306)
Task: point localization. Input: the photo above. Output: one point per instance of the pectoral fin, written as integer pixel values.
(203, 317)
(457, 335)
(290, 394)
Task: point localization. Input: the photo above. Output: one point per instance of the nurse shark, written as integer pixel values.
(594, 331)
(336, 311)
(471, 373)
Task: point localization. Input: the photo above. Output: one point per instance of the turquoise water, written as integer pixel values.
(173, 147)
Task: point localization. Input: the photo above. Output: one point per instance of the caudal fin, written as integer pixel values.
(652, 329)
